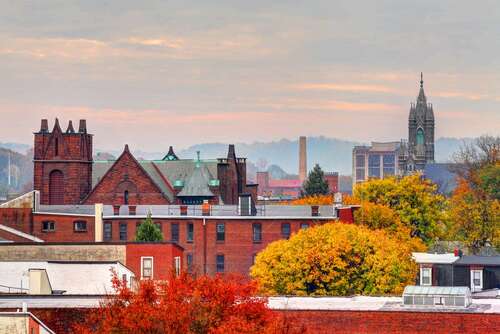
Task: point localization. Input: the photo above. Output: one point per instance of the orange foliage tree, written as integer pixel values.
(184, 305)
(313, 200)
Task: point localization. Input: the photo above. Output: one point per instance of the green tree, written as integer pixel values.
(315, 183)
(413, 198)
(148, 231)
(335, 259)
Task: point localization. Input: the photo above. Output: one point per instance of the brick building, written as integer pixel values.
(65, 173)
(213, 238)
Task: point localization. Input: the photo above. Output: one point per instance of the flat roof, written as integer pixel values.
(356, 303)
(446, 258)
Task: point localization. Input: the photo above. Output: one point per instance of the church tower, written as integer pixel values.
(420, 132)
(62, 163)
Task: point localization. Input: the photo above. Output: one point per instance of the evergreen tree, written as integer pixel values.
(315, 183)
(148, 231)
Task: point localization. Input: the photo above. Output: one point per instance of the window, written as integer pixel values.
(80, 226)
(190, 232)
(420, 137)
(220, 263)
(374, 165)
(125, 197)
(476, 279)
(174, 232)
(56, 147)
(123, 232)
(177, 264)
(360, 174)
(48, 226)
(189, 261)
(389, 161)
(257, 232)
(108, 234)
(425, 276)
(360, 161)
(221, 232)
(304, 225)
(56, 187)
(146, 267)
(285, 230)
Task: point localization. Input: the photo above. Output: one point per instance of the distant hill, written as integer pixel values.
(21, 171)
(330, 153)
(280, 157)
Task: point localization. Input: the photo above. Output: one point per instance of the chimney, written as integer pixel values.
(70, 128)
(83, 126)
(44, 128)
(230, 153)
(302, 158)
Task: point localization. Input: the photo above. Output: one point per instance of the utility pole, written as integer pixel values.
(8, 172)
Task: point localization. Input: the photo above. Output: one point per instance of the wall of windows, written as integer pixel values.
(374, 165)
(389, 161)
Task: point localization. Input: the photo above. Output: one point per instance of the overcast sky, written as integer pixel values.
(159, 73)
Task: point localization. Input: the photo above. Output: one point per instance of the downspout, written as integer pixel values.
(204, 246)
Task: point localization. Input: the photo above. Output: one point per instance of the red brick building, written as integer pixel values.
(218, 240)
(65, 174)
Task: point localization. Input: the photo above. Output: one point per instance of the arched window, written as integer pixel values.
(56, 147)
(56, 187)
(125, 197)
(420, 137)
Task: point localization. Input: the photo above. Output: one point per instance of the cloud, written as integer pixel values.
(346, 87)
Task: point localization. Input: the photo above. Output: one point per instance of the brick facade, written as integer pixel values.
(64, 229)
(126, 176)
(62, 164)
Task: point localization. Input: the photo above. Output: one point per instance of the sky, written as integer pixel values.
(160, 73)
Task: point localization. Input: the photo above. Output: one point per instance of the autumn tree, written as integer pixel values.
(414, 199)
(148, 231)
(336, 260)
(312, 200)
(184, 305)
(475, 204)
(315, 183)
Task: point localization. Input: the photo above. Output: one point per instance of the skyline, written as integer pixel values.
(186, 72)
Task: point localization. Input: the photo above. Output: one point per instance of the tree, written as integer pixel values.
(184, 304)
(312, 200)
(337, 260)
(414, 199)
(475, 218)
(148, 231)
(315, 183)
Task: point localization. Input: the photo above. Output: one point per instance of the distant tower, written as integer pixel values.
(302, 158)
(62, 163)
(9, 172)
(420, 132)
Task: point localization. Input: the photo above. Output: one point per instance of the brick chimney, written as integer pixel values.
(302, 158)
(44, 128)
(83, 126)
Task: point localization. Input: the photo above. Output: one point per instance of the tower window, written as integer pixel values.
(56, 143)
(420, 137)
(125, 197)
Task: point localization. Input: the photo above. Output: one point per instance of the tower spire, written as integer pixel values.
(421, 80)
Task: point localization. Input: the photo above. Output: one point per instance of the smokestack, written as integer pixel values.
(44, 128)
(70, 128)
(83, 126)
(302, 158)
(231, 153)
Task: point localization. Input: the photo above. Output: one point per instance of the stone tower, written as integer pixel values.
(62, 163)
(420, 132)
(302, 158)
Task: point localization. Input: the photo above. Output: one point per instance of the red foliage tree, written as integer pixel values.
(185, 305)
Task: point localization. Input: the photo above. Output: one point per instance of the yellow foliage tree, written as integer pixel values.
(414, 199)
(312, 200)
(475, 219)
(335, 260)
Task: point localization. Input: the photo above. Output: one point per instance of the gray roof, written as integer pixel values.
(478, 260)
(197, 183)
(177, 170)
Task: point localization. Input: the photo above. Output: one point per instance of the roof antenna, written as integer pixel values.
(421, 80)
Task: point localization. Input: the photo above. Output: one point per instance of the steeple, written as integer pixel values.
(421, 95)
